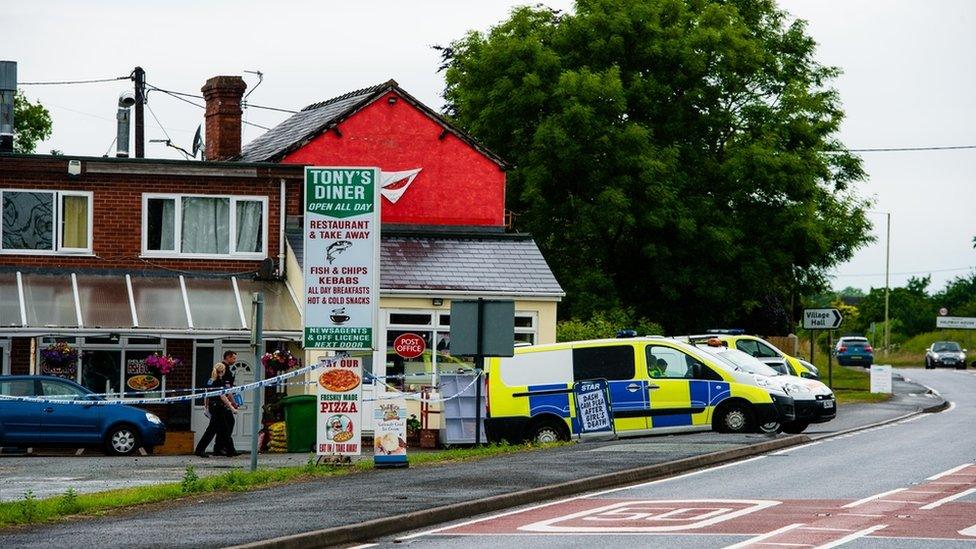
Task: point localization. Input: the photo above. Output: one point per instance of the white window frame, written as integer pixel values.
(178, 227)
(57, 238)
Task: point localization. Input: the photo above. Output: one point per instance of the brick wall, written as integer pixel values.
(20, 355)
(117, 207)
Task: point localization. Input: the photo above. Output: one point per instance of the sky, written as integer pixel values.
(908, 81)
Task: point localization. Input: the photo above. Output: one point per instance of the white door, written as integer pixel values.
(244, 372)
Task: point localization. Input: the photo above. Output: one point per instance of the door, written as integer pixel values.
(677, 398)
(68, 423)
(244, 373)
(20, 422)
(628, 387)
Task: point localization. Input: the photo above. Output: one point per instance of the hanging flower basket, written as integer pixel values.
(279, 361)
(59, 359)
(163, 364)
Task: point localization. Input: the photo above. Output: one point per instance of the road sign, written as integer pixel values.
(958, 322)
(821, 319)
(943, 311)
(881, 378)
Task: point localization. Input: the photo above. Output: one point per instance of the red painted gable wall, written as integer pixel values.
(456, 186)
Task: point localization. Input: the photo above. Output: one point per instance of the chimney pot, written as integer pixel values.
(223, 116)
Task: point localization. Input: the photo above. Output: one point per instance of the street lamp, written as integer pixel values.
(887, 332)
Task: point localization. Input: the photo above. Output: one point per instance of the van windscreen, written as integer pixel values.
(614, 362)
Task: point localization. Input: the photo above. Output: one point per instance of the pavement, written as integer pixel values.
(348, 500)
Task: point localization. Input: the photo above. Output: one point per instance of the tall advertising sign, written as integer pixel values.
(342, 243)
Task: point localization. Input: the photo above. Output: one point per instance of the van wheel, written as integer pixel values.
(547, 432)
(795, 427)
(771, 428)
(122, 441)
(734, 418)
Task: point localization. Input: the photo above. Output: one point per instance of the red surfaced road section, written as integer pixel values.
(929, 510)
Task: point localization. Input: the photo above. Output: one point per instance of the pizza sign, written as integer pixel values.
(339, 399)
(409, 345)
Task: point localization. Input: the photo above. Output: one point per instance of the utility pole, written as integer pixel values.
(887, 334)
(257, 345)
(139, 76)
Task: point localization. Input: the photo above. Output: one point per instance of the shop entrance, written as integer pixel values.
(208, 353)
(4, 357)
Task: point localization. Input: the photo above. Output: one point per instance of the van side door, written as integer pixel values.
(679, 387)
(628, 389)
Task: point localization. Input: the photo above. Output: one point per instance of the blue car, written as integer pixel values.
(121, 430)
(854, 351)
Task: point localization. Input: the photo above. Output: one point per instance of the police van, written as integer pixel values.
(657, 385)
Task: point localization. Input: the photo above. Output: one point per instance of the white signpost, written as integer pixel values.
(881, 378)
(957, 322)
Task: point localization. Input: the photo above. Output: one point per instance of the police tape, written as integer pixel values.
(199, 391)
(96, 399)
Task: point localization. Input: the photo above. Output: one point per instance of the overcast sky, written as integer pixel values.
(909, 81)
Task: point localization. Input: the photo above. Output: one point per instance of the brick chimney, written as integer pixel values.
(223, 95)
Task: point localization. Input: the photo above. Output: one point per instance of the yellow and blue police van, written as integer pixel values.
(656, 385)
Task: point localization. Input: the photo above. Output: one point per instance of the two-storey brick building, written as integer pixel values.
(121, 258)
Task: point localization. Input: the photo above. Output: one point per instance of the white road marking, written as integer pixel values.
(872, 498)
(618, 512)
(774, 544)
(900, 501)
(765, 536)
(949, 472)
(945, 500)
(363, 546)
(583, 496)
(971, 531)
(921, 492)
(852, 537)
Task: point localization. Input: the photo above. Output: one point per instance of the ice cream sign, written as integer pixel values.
(342, 241)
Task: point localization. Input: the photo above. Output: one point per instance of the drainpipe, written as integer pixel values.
(281, 228)
(8, 88)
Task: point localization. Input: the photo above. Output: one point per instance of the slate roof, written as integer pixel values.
(499, 264)
(313, 120)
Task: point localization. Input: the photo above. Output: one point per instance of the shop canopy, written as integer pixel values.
(190, 306)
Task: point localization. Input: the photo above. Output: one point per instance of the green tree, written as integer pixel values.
(679, 157)
(911, 306)
(32, 124)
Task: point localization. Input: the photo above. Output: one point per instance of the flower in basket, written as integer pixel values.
(163, 364)
(279, 361)
(59, 355)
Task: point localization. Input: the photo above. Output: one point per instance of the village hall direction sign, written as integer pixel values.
(342, 248)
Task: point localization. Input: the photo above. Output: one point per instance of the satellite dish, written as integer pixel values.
(197, 142)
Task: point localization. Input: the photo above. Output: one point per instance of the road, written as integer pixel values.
(906, 484)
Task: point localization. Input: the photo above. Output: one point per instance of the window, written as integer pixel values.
(204, 226)
(59, 390)
(669, 363)
(108, 367)
(765, 351)
(17, 388)
(612, 363)
(46, 222)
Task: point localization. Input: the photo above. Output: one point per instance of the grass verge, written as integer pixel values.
(850, 385)
(30, 510)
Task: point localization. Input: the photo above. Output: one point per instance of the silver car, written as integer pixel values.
(945, 353)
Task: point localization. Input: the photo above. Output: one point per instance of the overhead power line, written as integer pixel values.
(65, 82)
(196, 96)
(907, 149)
(928, 271)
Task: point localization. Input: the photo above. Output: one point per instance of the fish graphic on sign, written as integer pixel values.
(394, 184)
(335, 249)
